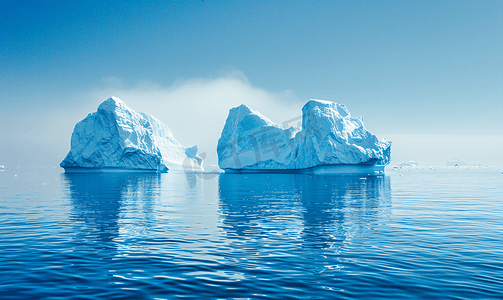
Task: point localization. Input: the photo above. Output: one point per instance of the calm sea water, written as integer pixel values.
(418, 233)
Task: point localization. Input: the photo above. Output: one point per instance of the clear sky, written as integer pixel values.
(410, 68)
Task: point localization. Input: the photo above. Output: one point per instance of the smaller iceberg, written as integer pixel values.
(409, 164)
(115, 137)
(2, 168)
(330, 141)
(455, 162)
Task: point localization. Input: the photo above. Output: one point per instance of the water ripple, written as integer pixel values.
(426, 234)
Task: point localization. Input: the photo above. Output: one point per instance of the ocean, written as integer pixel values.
(418, 233)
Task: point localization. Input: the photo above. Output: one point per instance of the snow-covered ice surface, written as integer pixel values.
(330, 141)
(118, 138)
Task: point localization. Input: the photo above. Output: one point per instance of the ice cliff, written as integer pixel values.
(118, 137)
(329, 136)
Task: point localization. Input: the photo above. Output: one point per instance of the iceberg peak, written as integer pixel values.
(248, 118)
(111, 104)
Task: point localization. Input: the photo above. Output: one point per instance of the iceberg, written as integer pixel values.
(409, 164)
(329, 141)
(455, 162)
(115, 137)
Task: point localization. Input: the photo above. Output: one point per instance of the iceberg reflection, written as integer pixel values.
(108, 208)
(319, 211)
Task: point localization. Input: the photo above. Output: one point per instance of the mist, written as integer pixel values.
(436, 150)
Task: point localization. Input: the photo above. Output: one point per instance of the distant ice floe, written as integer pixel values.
(455, 162)
(409, 164)
(118, 138)
(329, 141)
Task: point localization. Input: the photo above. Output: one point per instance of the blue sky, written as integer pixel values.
(408, 67)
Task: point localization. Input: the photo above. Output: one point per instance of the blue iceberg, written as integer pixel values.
(329, 141)
(118, 138)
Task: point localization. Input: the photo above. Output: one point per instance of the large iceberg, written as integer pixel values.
(330, 141)
(116, 137)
